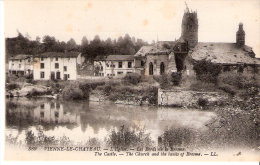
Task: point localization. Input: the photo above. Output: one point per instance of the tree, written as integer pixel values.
(71, 45)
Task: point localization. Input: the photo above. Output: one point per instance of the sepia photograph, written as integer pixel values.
(131, 80)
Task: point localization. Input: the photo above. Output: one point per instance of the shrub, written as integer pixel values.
(228, 89)
(207, 71)
(176, 137)
(132, 78)
(12, 86)
(76, 91)
(203, 102)
(202, 86)
(35, 92)
(176, 78)
(126, 138)
(151, 94)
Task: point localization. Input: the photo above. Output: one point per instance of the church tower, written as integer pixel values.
(190, 27)
(240, 38)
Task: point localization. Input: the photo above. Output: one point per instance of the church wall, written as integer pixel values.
(156, 61)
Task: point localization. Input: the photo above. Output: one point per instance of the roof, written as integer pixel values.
(59, 54)
(162, 47)
(20, 57)
(224, 53)
(120, 58)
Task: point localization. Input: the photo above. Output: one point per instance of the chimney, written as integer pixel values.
(240, 36)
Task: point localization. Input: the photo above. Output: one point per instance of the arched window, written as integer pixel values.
(151, 68)
(162, 68)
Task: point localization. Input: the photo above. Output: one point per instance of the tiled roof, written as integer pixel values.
(161, 47)
(224, 53)
(59, 54)
(20, 57)
(120, 58)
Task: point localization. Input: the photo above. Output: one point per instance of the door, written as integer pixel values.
(52, 75)
(65, 77)
(58, 75)
(151, 68)
(162, 68)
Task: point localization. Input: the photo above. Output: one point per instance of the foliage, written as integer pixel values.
(126, 138)
(176, 137)
(12, 86)
(90, 49)
(76, 91)
(228, 89)
(203, 102)
(35, 92)
(132, 78)
(207, 71)
(151, 94)
(202, 86)
(176, 78)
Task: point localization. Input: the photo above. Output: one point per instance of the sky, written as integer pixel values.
(146, 19)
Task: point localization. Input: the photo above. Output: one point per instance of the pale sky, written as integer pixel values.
(146, 19)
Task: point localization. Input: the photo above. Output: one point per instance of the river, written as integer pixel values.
(81, 120)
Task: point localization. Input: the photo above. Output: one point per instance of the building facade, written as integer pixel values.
(21, 65)
(56, 66)
(114, 65)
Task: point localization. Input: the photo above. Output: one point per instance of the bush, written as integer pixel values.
(35, 92)
(176, 137)
(126, 138)
(151, 94)
(12, 86)
(207, 71)
(228, 89)
(202, 86)
(176, 78)
(132, 78)
(203, 102)
(76, 91)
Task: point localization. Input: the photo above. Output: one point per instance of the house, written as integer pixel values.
(21, 65)
(56, 66)
(114, 65)
(179, 55)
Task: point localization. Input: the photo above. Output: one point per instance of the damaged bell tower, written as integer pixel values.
(190, 27)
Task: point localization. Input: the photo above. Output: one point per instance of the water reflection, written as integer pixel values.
(81, 119)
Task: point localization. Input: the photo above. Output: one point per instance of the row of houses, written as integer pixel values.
(47, 66)
(157, 59)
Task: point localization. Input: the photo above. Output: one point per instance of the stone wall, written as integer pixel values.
(187, 98)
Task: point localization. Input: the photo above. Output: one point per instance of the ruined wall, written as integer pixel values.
(186, 98)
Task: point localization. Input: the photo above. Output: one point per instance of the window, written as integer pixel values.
(68, 75)
(57, 105)
(56, 114)
(42, 106)
(42, 114)
(142, 63)
(119, 72)
(42, 65)
(56, 58)
(120, 64)
(42, 58)
(65, 68)
(19, 65)
(42, 74)
(128, 72)
(57, 65)
(129, 64)
(20, 60)
(52, 105)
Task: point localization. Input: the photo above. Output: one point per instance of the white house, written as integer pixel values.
(114, 65)
(56, 66)
(21, 65)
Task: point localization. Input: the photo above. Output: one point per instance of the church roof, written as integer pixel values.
(224, 53)
(161, 47)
